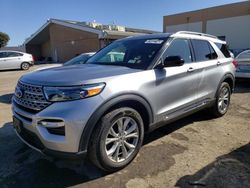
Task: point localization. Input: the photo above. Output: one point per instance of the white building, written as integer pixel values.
(230, 22)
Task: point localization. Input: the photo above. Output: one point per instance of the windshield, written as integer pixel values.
(134, 53)
(81, 59)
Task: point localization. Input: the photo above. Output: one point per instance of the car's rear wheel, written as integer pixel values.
(117, 139)
(223, 97)
(25, 66)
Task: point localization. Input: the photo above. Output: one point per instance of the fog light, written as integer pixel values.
(51, 123)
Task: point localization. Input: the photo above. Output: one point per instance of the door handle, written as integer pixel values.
(191, 69)
(219, 63)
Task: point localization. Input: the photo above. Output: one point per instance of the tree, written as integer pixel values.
(4, 38)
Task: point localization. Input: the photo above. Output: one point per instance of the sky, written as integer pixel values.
(21, 18)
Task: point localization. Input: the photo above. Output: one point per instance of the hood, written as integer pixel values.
(75, 74)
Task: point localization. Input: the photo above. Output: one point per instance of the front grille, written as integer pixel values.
(31, 97)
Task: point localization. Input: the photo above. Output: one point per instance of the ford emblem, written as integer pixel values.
(18, 93)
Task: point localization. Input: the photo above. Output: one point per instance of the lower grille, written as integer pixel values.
(57, 131)
(30, 96)
(31, 138)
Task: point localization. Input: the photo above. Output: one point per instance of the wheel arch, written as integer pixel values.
(134, 101)
(25, 62)
(230, 79)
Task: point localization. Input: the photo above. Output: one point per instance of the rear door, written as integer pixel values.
(210, 67)
(176, 87)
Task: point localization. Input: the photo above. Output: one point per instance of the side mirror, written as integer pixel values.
(173, 61)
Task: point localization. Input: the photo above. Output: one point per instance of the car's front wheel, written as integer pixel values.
(25, 66)
(117, 139)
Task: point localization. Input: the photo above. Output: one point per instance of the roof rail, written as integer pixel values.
(196, 33)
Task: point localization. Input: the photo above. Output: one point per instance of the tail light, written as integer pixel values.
(33, 59)
(235, 63)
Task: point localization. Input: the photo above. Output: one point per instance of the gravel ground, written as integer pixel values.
(196, 151)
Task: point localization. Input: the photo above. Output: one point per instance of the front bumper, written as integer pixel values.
(74, 115)
(45, 151)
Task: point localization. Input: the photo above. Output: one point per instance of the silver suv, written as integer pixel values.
(103, 108)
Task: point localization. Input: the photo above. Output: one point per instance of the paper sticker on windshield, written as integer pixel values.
(153, 41)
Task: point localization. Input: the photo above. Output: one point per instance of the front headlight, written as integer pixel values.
(54, 94)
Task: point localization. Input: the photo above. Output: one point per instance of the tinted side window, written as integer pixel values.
(14, 54)
(201, 49)
(213, 53)
(3, 54)
(224, 49)
(179, 47)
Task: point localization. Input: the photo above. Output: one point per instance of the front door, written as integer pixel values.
(176, 87)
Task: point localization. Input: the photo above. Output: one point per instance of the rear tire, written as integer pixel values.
(25, 66)
(222, 102)
(117, 139)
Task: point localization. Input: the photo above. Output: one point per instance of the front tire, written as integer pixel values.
(222, 102)
(117, 139)
(25, 66)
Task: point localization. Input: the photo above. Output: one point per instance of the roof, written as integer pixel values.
(102, 33)
(13, 51)
(13, 48)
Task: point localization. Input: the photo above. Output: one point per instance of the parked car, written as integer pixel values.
(80, 59)
(15, 60)
(102, 109)
(243, 68)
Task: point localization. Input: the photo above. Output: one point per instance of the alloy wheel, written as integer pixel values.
(122, 139)
(25, 66)
(223, 101)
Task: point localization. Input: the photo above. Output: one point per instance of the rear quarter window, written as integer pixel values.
(224, 49)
